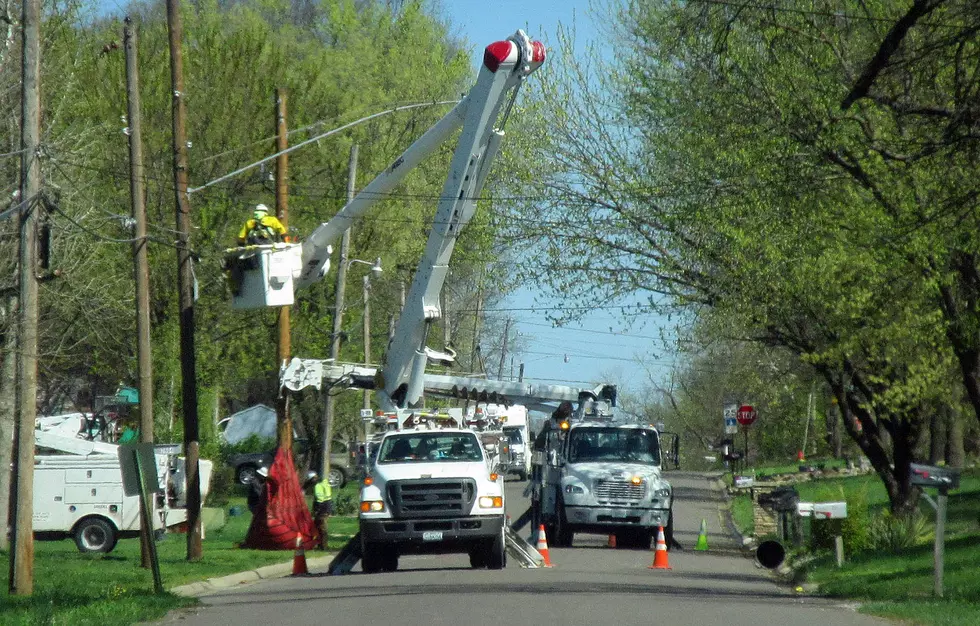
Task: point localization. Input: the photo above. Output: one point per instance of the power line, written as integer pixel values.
(14, 153)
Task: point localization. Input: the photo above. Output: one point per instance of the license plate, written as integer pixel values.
(432, 535)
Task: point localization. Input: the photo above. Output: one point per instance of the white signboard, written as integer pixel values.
(730, 415)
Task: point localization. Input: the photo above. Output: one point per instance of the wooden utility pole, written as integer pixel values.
(326, 427)
(367, 333)
(185, 283)
(285, 431)
(21, 581)
(476, 329)
(141, 266)
(503, 350)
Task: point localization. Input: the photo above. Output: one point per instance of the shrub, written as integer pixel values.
(345, 503)
(854, 528)
(897, 533)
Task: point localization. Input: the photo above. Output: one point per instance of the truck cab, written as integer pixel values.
(599, 476)
(431, 491)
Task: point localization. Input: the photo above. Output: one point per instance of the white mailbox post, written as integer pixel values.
(826, 510)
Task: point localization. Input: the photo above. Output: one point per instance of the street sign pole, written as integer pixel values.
(148, 522)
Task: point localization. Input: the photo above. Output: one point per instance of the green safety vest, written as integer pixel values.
(323, 491)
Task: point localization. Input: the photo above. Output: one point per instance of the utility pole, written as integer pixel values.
(21, 581)
(503, 350)
(476, 328)
(338, 318)
(284, 419)
(185, 283)
(141, 265)
(367, 333)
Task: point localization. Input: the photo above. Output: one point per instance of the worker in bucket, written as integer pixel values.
(322, 508)
(261, 228)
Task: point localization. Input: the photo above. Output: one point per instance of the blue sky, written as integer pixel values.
(598, 348)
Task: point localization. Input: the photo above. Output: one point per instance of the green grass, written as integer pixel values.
(900, 585)
(74, 588)
(742, 515)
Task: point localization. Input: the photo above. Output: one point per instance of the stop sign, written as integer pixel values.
(746, 414)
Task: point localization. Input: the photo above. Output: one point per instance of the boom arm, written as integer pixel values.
(505, 65)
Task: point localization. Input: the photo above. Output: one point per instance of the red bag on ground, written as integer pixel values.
(282, 514)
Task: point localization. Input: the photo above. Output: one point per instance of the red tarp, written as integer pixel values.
(282, 514)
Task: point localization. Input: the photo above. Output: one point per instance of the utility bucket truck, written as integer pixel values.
(595, 474)
(449, 502)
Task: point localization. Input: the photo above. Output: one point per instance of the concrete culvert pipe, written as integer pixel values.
(770, 554)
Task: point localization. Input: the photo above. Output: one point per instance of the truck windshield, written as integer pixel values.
(631, 445)
(429, 447)
(514, 435)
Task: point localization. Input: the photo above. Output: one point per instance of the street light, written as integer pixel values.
(375, 267)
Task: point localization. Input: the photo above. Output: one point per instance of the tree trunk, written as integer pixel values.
(955, 455)
(8, 373)
(937, 435)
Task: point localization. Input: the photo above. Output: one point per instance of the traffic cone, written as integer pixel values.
(660, 554)
(543, 546)
(703, 537)
(299, 558)
(612, 540)
(800, 456)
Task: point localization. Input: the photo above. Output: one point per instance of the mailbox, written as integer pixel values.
(822, 510)
(932, 476)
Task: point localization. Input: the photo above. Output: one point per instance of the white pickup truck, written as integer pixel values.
(431, 491)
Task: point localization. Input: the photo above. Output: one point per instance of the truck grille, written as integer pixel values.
(431, 497)
(619, 490)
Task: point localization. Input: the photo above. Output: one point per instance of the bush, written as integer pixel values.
(223, 485)
(345, 503)
(854, 528)
(897, 533)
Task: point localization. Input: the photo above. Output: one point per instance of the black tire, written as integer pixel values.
(522, 475)
(389, 560)
(94, 534)
(645, 539)
(372, 558)
(497, 553)
(669, 531)
(563, 536)
(337, 477)
(478, 556)
(246, 474)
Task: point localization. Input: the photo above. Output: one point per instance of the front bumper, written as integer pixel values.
(422, 532)
(600, 518)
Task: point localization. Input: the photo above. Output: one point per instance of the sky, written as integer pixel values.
(598, 349)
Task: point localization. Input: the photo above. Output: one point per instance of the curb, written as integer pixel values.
(267, 572)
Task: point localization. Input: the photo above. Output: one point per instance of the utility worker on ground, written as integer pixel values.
(322, 508)
(261, 228)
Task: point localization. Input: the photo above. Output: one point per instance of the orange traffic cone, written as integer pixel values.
(543, 546)
(612, 540)
(299, 558)
(660, 554)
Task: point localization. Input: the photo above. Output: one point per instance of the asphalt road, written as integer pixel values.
(589, 584)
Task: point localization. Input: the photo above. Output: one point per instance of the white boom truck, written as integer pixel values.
(407, 507)
(596, 475)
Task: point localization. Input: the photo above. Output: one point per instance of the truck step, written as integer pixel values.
(347, 558)
(526, 555)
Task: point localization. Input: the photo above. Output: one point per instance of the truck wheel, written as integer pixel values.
(645, 539)
(497, 554)
(94, 534)
(389, 560)
(522, 475)
(372, 558)
(478, 556)
(669, 531)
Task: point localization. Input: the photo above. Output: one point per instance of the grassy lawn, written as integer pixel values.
(900, 584)
(74, 588)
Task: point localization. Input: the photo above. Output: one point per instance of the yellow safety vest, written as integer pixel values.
(323, 491)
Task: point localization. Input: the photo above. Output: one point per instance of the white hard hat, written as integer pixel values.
(262, 471)
(260, 211)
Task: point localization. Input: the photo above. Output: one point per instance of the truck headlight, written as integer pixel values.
(491, 502)
(662, 493)
(372, 506)
(574, 489)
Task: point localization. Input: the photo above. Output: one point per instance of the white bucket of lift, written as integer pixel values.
(262, 276)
